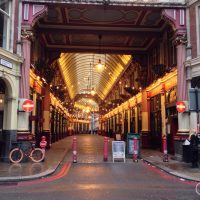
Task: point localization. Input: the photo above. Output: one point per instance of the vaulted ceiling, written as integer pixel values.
(124, 30)
(83, 34)
(81, 76)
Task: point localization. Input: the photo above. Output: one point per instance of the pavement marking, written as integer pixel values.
(63, 172)
(167, 175)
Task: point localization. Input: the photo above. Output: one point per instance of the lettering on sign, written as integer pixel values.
(118, 150)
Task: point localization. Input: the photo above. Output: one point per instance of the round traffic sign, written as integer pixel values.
(28, 105)
(180, 106)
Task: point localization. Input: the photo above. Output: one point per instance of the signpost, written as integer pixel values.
(180, 106)
(118, 150)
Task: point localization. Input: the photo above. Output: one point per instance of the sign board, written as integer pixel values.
(25, 105)
(180, 106)
(130, 144)
(118, 150)
(28, 105)
(6, 63)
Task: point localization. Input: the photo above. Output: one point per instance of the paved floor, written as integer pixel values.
(86, 154)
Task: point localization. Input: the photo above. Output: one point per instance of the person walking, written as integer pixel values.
(194, 148)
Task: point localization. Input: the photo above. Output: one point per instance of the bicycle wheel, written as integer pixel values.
(37, 155)
(16, 155)
(197, 188)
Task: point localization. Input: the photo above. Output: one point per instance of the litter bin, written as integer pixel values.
(186, 151)
(130, 144)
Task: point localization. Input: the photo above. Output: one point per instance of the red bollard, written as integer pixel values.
(164, 143)
(43, 144)
(74, 150)
(105, 149)
(135, 149)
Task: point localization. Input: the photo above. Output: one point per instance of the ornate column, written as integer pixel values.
(136, 119)
(163, 110)
(182, 91)
(145, 121)
(34, 113)
(149, 109)
(122, 123)
(30, 13)
(181, 57)
(46, 115)
(182, 95)
(23, 132)
(117, 123)
(129, 120)
(114, 124)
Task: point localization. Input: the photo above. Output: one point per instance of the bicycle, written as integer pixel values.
(17, 154)
(197, 188)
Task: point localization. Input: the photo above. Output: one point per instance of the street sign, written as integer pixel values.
(180, 106)
(118, 150)
(28, 105)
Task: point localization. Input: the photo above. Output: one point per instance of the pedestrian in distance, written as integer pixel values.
(194, 148)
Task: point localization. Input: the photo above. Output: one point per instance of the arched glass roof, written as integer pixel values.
(81, 76)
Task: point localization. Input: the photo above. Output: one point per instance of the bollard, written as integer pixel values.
(165, 155)
(135, 149)
(43, 144)
(74, 150)
(105, 149)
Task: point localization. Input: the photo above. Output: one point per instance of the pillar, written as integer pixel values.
(163, 111)
(114, 124)
(34, 113)
(136, 119)
(57, 122)
(46, 115)
(129, 120)
(123, 122)
(23, 132)
(145, 121)
(182, 95)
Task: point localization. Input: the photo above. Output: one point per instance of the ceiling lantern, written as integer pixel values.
(99, 66)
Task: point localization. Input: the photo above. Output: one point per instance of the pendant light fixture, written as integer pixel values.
(100, 66)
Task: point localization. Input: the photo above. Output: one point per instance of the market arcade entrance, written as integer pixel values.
(137, 89)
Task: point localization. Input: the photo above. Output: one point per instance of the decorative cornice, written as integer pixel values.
(157, 3)
(26, 34)
(180, 39)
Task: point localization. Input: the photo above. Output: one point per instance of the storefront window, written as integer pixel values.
(4, 23)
